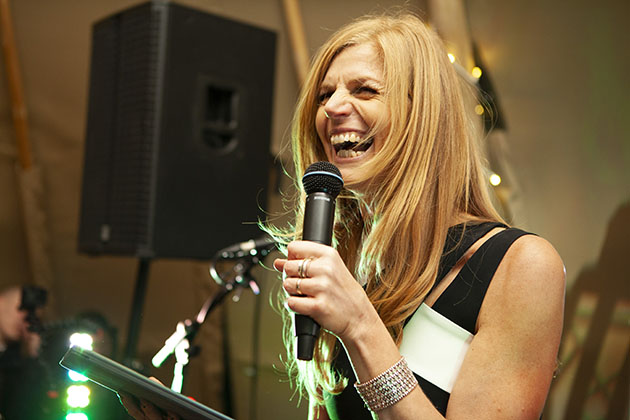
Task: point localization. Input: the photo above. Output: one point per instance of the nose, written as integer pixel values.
(338, 105)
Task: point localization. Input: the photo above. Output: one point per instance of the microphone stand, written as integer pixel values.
(179, 343)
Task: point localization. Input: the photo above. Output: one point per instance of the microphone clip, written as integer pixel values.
(254, 249)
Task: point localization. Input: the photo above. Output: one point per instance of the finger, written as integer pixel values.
(154, 379)
(286, 285)
(150, 411)
(302, 249)
(172, 416)
(294, 286)
(291, 268)
(289, 285)
(302, 306)
(279, 264)
(131, 405)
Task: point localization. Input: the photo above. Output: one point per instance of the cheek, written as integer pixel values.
(383, 130)
(320, 123)
(321, 128)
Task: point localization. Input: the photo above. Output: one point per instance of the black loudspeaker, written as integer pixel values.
(177, 145)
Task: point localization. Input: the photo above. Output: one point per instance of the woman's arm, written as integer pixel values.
(510, 362)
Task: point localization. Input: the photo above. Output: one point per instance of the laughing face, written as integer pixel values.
(350, 104)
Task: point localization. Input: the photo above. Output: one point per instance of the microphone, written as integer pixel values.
(259, 246)
(322, 182)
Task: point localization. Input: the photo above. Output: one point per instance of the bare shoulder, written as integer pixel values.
(532, 264)
(511, 360)
(532, 247)
(529, 285)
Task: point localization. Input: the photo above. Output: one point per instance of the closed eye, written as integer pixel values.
(323, 97)
(365, 91)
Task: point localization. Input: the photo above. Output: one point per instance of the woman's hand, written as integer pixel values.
(140, 409)
(328, 292)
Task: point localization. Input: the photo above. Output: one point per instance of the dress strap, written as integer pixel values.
(462, 299)
(458, 240)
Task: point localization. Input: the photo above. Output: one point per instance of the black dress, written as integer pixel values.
(448, 326)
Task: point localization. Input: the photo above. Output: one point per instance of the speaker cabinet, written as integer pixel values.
(177, 144)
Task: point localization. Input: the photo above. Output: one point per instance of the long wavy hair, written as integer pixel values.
(392, 235)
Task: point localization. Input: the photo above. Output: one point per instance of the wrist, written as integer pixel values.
(370, 347)
(364, 330)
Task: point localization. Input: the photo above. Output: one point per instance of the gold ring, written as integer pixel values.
(297, 286)
(303, 267)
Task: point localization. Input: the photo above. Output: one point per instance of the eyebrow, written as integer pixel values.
(356, 80)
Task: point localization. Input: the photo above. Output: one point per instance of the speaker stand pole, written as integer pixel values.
(137, 306)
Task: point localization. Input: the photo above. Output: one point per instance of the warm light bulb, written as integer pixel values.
(451, 57)
(495, 180)
(479, 109)
(476, 72)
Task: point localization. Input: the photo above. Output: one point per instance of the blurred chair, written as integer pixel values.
(606, 288)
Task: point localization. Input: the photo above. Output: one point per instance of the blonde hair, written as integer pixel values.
(431, 160)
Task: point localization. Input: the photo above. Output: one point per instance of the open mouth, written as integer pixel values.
(350, 144)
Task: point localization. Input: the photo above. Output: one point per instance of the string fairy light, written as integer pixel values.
(476, 72)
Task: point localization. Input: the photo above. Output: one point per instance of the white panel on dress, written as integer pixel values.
(434, 347)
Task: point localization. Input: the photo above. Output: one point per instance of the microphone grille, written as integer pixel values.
(322, 177)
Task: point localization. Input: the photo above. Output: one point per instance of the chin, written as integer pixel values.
(348, 165)
(350, 179)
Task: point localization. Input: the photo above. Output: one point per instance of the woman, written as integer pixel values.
(406, 298)
(428, 300)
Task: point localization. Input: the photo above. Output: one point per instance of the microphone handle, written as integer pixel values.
(319, 215)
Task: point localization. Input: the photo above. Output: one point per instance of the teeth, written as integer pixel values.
(345, 143)
(348, 153)
(344, 137)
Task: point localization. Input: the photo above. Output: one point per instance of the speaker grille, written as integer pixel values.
(177, 144)
(121, 138)
(136, 137)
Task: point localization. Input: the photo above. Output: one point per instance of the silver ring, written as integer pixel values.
(326, 114)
